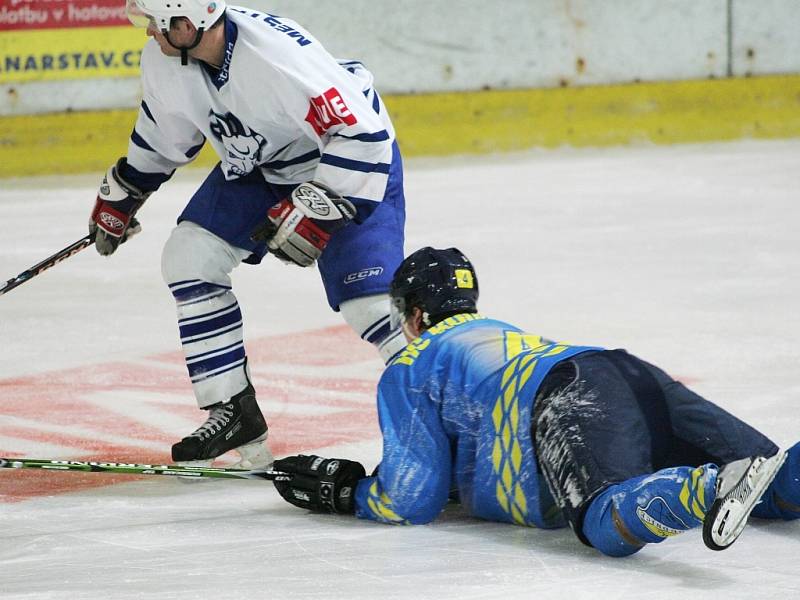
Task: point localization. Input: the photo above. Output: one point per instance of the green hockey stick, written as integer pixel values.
(137, 469)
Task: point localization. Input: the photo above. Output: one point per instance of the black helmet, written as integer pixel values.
(440, 282)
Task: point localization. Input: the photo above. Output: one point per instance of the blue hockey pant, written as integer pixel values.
(638, 451)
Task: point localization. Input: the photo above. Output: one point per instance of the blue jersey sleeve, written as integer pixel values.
(413, 480)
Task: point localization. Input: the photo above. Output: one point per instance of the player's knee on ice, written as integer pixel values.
(600, 422)
(649, 509)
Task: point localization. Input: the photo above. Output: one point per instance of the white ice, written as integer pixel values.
(688, 256)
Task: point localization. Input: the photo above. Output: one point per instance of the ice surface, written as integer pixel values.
(689, 256)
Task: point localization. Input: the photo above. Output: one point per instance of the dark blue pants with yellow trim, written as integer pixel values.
(613, 433)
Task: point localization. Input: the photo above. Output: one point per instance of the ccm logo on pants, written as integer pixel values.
(363, 274)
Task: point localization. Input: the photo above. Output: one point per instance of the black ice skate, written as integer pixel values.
(740, 485)
(233, 425)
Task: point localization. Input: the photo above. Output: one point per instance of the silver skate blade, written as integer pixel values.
(742, 484)
(194, 463)
(255, 455)
(252, 456)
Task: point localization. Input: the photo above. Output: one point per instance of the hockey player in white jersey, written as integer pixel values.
(309, 171)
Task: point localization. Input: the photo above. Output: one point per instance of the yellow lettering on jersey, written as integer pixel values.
(410, 354)
(516, 343)
(415, 347)
(453, 321)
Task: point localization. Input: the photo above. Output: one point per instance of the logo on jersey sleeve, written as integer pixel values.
(328, 110)
(243, 146)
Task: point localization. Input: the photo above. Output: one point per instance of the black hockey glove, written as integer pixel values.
(112, 221)
(319, 484)
(298, 228)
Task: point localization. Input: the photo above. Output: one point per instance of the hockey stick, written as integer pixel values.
(48, 262)
(136, 469)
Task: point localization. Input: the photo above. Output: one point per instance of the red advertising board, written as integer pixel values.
(60, 14)
(48, 40)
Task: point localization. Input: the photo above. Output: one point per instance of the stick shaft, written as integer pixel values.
(137, 469)
(48, 262)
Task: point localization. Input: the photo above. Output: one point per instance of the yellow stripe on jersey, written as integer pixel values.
(381, 506)
(506, 451)
(693, 495)
(524, 351)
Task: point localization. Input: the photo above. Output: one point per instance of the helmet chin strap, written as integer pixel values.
(184, 49)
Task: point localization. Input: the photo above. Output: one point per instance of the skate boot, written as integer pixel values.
(233, 425)
(740, 485)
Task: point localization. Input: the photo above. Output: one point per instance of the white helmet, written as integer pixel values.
(202, 13)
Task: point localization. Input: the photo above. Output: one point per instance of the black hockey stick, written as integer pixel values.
(136, 469)
(48, 262)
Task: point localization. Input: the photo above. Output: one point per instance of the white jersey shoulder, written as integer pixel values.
(279, 102)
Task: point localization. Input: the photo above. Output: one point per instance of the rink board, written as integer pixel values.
(474, 122)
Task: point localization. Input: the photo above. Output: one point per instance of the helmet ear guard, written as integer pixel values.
(440, 282)
(397, 311)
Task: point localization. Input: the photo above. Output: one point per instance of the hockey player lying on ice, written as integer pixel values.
(530, 431)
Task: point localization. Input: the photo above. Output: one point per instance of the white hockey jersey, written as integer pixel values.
(280, 103)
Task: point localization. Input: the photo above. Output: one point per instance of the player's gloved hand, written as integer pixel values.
(112, 220)
(299, 227)
(319, 484)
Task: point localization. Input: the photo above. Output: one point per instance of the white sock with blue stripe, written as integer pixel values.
(369, 318)
(210, 324)
(196, 265)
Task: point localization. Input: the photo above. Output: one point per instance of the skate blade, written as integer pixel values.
(728, 515)
(255, 455)
(194, 463)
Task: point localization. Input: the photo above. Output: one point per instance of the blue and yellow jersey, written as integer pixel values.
(455, 413)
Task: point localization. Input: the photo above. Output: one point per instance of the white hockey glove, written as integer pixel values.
(112, 220)
(299, 227)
